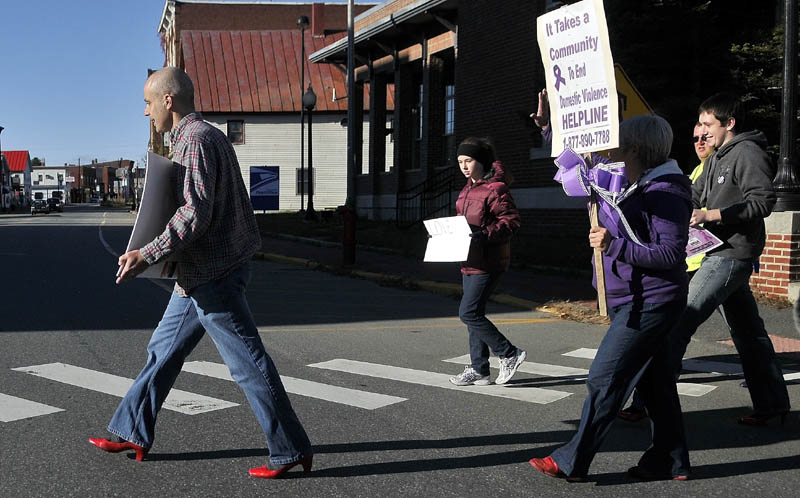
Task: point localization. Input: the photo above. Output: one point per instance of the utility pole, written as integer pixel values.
(349, 212)
(786, 184)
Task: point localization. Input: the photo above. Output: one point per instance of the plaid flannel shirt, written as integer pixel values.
(214, 229)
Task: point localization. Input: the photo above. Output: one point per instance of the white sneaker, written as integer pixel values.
(509, 366)
(470, 377)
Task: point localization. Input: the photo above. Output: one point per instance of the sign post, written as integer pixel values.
(582, 91)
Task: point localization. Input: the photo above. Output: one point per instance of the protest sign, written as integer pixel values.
(582, 92)
(449, 239)
(579, 72)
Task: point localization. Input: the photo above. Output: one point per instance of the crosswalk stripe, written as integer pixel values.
(530, 367)
(13, 408)
(684, 388)
(177, 400)
(318, 390)
(586, 353)
(689, 389)
(527, 394)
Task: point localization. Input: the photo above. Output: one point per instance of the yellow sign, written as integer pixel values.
(631, 102)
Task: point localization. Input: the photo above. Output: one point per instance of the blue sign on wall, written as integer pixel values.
(264, 187)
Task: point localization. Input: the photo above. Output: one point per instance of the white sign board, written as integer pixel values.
(579, 72)
(157, 207)
(449, 239)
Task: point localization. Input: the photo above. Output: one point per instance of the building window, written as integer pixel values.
(420, 107)
(236, 132)
(450, 110)
(301, 179)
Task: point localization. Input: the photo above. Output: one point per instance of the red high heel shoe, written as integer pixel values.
(761, 419)
(267, 473)
(549, 467)
(112, 447)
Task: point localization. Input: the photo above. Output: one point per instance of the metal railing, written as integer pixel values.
(430, 199)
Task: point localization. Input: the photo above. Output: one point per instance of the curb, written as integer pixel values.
(441, 288)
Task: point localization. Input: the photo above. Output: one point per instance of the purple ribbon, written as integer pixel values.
(607, 180)
(579, 180)
(559, 78)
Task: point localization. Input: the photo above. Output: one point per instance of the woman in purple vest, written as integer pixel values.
(646, 289)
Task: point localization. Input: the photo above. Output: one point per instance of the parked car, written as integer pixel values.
(40, 206)
(95, 198)
(55, 204)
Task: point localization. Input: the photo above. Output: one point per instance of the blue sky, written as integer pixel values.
(71, 77)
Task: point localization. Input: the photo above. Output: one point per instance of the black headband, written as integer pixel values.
(481, 154)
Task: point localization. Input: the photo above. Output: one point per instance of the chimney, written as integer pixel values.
(318, 19)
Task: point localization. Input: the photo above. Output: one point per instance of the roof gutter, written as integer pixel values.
(376, 28)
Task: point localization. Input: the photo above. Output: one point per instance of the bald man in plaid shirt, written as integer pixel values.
(214, 232)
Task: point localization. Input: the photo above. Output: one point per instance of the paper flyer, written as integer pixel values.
(156, 208)
(449, 239)
(701, 241)
(579, 72)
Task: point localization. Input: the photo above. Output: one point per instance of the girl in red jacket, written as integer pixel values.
(489, 208)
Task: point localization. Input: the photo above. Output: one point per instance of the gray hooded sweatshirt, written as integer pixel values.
(737, 180)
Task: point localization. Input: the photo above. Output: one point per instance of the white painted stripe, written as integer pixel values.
(684, 388)
(587, 353)
(530, 367)
(318, 390)
(689, 389)
(528, 394)
(13, 408)
(177, 400)
(792, 376)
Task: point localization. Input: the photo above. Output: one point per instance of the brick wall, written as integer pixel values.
(779, 274)
(498, 69)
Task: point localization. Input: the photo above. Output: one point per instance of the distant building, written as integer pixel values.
(47, 180)
(19, 174)
(244, 59)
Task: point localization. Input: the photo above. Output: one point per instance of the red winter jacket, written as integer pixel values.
(489, 208)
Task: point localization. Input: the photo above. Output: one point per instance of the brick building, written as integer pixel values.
(458, 69)
(461, 68)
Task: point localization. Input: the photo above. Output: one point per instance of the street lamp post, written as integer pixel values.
(787, 182)
(302, 22)
(309, 101)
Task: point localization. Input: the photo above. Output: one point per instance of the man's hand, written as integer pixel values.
(599, 238)
(131, 264)
(542, 115)
(700, 216)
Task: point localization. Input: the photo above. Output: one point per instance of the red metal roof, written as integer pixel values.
(17, 159)
(259, 71)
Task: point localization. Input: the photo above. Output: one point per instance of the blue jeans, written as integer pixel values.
(634, 350)
(219, 308)
(483, 335)
(726, 282)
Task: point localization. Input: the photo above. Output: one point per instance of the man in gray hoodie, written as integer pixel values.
(736, 190)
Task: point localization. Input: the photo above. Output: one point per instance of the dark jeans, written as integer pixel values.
(634, 350)
(219, 308)
(726, 282)
(483, 335)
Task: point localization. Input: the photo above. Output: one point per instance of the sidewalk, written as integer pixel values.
(570, 297)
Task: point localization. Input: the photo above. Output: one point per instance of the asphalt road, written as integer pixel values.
(394, 431)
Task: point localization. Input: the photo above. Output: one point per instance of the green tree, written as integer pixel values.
(36, 161)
